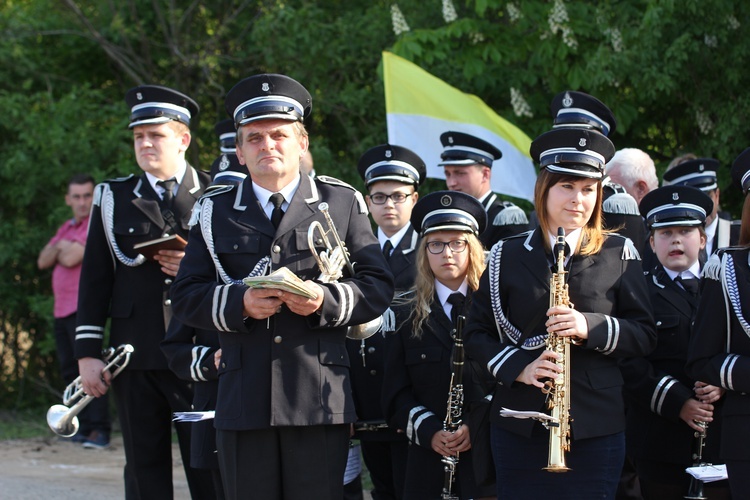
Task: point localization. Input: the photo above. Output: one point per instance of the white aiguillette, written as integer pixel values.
(282, 279)
(170, 242)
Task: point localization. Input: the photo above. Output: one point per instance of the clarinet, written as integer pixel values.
(453, 417)
(695, 491)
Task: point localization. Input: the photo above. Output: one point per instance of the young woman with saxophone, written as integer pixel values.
(420, 354)
(719, 351)
(607, 316)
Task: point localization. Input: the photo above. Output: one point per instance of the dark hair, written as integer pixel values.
(81, 179)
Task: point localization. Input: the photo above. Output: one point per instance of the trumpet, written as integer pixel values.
(62, 419)
(331, 263)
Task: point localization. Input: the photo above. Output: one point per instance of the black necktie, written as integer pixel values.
(387, 248)
(702, 257)
(457, 301)
(690, 285)
(168, 194)
(277, 199)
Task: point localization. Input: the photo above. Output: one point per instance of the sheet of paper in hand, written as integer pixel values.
(282, 279)
(150, 248)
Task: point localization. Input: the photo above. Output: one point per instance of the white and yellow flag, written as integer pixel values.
(420, 107)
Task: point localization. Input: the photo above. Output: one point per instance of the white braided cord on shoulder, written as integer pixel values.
(730, 285)
(504, 326)
(206, 214)
(108, 217)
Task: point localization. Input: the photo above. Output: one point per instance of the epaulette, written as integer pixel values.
(524, 234)
(712, 267)
(389, 322)
(510, 215)
(215, 189)
(98, 191)
(327, 179)
(621, 203)
(212, 190)
(121, 179)
(629, 252)
(333, 180)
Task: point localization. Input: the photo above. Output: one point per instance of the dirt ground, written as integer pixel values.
(50, 468)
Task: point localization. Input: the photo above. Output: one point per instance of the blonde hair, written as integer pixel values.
(593, 234)
(424, 285)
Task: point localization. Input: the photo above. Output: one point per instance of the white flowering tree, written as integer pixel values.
(673, 72)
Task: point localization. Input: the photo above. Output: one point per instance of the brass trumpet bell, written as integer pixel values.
(365, 330)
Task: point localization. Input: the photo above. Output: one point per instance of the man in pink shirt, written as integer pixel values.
(65, 252)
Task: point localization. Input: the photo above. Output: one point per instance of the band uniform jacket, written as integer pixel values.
(417, 383)
(727, 232)
(607, 288)
(286, 370)
(190, 354)
(403, 261)
(719, 352)
(657, 385)
(504, 219)
(368, 356)
(115, 282)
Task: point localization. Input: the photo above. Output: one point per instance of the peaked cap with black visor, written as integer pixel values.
(154, 104)
(449, 211)
(573, 151)
(670, 206)
(699, 173)
(268, 96)
(464, 149)
(572, 109)
(387, 162)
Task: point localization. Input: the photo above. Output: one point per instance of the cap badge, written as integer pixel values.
(675, 196)
(450, 139)
(265, 87)
(567, 100)
(446, 200)
(224, 163)
(701, 167)
(582, 142)
(388, 153)
(139, 96)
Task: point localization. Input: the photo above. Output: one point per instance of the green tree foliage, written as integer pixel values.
(673, 73)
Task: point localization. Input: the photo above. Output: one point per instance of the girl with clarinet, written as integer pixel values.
(423, 354)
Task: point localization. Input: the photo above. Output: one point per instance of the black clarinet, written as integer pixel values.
(695, 491)
(454, 415)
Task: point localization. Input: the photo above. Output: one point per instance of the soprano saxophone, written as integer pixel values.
(558, 390)
(454, 415)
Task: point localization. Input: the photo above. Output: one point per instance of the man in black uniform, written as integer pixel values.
(467, 163)
(226, 168)
(284, 404)
(701, 173)
(392, 175)
(119, 282)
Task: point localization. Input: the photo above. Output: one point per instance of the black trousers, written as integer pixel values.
(386, 462)
(95, 417)
(286, 463)
(146, 400)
